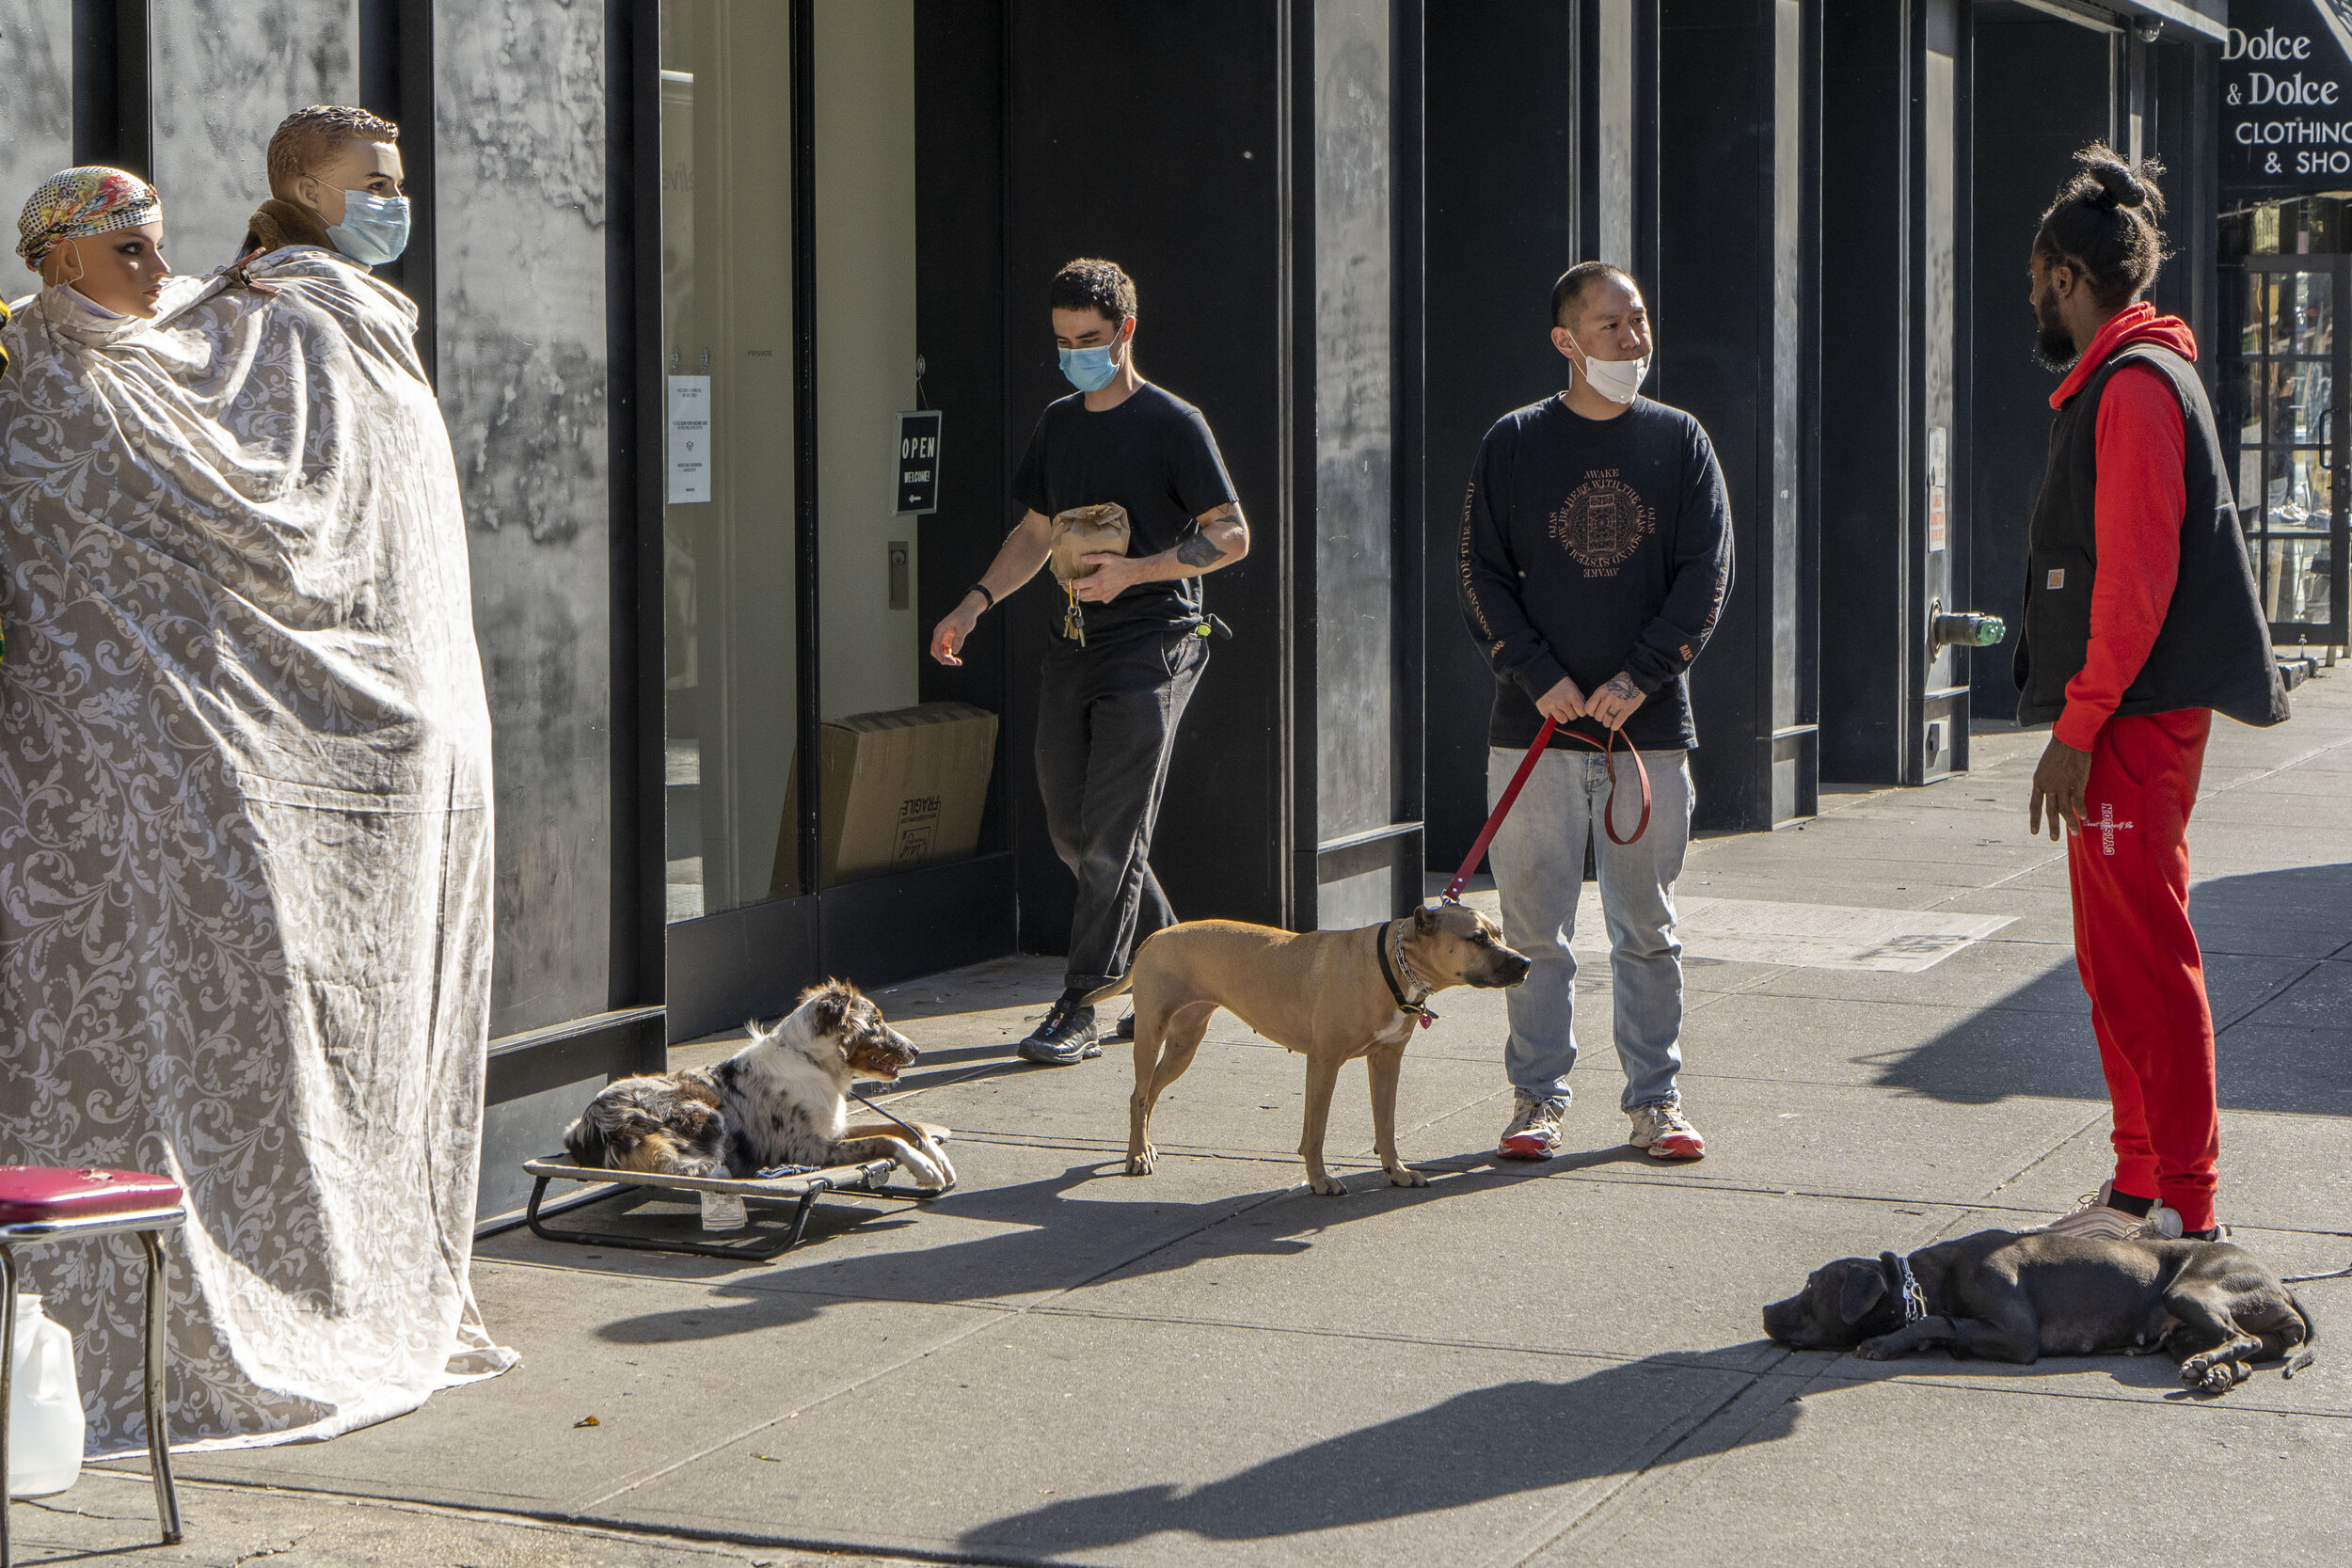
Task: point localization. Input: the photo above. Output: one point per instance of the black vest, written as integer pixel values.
(2213, 648)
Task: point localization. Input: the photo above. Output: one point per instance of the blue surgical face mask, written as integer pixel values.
(375, 229)
(1090, 370)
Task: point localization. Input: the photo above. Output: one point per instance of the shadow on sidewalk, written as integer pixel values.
(1051, 1242)
(1474, 1447)
(2288, 1053)
(1492, 1443)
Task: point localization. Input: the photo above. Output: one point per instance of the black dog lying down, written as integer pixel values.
(2011, 1296)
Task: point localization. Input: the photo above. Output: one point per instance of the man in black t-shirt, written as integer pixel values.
(1109, 707)
(1595, 552)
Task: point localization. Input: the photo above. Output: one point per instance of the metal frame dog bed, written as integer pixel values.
(798, 1190)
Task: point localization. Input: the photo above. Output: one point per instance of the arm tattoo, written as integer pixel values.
(1199, 553)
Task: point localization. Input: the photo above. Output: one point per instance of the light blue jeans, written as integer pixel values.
(1538, 860)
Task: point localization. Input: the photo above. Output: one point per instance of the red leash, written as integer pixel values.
(1518, 781)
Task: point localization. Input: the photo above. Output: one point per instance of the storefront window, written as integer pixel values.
(727, 527)
(866, 304)
(729, 524)
(2286, 280)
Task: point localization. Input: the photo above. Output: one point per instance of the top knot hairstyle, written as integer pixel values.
(2103, 222)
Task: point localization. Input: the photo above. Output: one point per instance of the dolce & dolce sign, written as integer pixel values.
(2286, 95)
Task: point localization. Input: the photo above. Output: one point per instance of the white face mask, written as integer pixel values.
(1619, 380)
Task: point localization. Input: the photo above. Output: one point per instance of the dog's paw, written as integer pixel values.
(1884, 1348)
(2212, 1375)
(1328, 1186)
(1405, 1176)
(1140, 1164)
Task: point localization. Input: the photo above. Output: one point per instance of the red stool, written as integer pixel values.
(40, 1203)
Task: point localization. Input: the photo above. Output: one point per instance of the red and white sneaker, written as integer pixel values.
(1663, 1132)
(1533, 1131)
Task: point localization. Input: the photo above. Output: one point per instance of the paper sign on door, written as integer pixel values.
(690, 438)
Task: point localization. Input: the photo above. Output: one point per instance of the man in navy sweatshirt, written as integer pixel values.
(1596, 554)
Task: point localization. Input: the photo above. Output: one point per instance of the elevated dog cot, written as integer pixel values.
(797, 1190)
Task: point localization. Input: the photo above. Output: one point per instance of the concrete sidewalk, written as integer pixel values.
(1058, 1363)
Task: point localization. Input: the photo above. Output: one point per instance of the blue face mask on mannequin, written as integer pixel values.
(1090, 370)
(375, 229)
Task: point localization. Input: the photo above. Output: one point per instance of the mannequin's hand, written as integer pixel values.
(238, 275)
(1563, 702)
(2062, 778)
(947, 637)
(1615, 702)
(1113, 575)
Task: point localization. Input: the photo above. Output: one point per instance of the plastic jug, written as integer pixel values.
(44, 1406)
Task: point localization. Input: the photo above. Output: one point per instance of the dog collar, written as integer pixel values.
(1907, 1284)
(1380, 949)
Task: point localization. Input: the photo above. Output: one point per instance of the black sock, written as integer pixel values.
(2213, 1235)
(2136, 1206)
(1076, 994)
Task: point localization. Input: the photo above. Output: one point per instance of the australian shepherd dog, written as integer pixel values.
(780, 1100)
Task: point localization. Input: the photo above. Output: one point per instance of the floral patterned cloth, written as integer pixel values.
(78, 202)
(244, 844)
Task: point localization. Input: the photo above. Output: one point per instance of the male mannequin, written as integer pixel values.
(321, 158)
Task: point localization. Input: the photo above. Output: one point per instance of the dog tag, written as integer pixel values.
(2056, 580)
(723, 1212)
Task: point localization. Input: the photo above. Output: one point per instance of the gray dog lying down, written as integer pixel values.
(2011, 1296)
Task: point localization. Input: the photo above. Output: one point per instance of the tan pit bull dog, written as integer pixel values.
(1330, 995)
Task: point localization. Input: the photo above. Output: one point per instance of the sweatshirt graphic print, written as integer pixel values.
(1591, 547)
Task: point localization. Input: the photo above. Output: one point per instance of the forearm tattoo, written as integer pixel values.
(1199, 553)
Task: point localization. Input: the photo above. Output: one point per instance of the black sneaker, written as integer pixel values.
(1126, 1029)
(1066, 1036)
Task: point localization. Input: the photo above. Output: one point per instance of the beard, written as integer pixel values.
(2053, 345)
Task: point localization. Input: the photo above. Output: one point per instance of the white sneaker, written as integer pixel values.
(1534, 1132)
(2092, 1216)
(1663, 1132)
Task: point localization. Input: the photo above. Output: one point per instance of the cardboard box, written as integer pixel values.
(901, 789)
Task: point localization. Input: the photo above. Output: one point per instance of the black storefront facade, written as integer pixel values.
(776, 225)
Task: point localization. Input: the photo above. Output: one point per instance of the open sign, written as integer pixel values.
(918, 464)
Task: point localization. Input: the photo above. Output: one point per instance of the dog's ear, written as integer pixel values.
(1862, 1290)
(1426, 919)
(829, 1005)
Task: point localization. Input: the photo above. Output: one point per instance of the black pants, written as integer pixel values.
(1107, 721)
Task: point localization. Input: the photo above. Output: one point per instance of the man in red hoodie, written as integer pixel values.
(2142, 622)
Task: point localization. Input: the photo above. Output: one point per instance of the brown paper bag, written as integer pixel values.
(1084, 531)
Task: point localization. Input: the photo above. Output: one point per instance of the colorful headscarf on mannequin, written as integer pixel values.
(92, 199)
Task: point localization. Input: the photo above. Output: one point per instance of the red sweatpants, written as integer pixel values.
(2139, 957)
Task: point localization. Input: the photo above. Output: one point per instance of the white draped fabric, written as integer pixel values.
(244, 844)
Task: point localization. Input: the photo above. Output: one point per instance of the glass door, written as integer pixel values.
(2282, 365)
(728, 546)
(739, 479)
